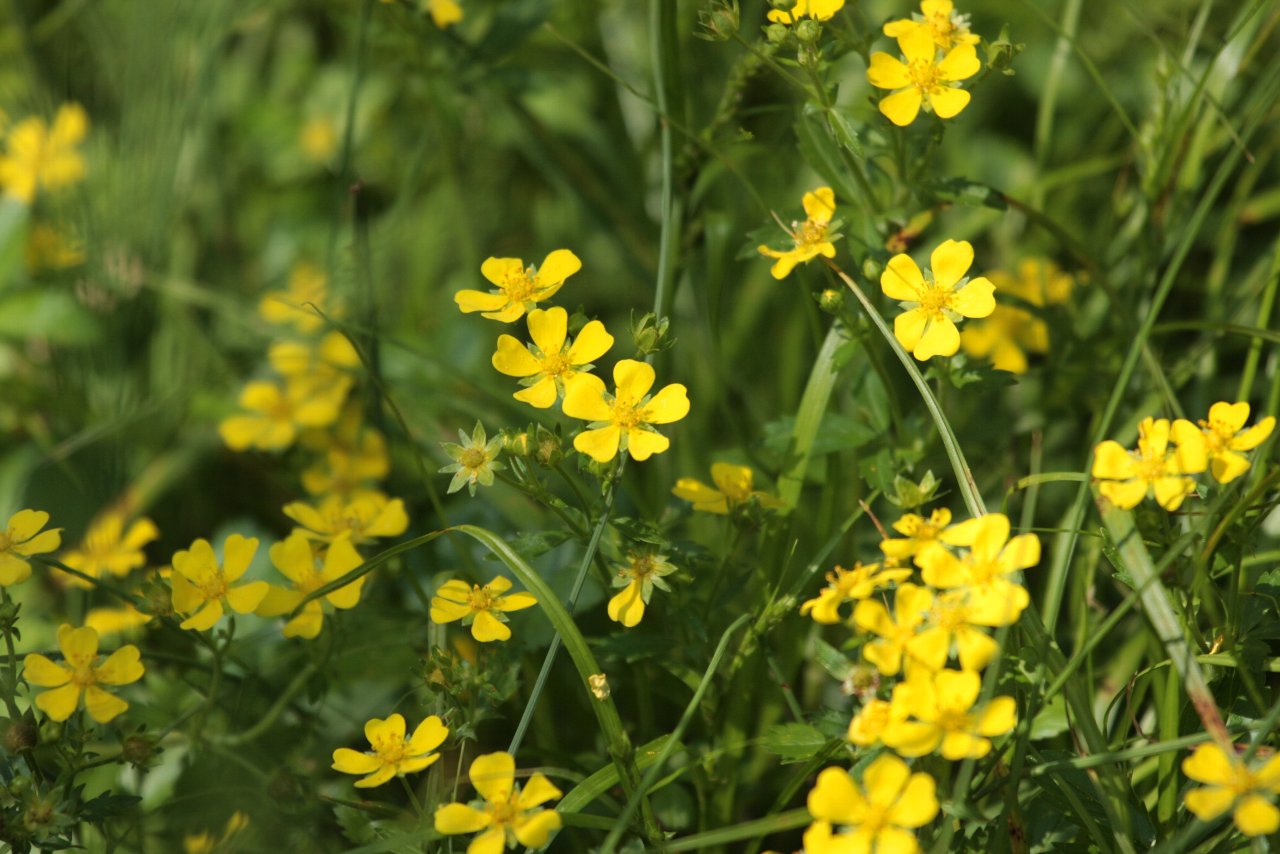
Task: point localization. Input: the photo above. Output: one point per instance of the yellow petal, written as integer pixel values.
(24, 524)
(1191, 454)
(1125, 494)
(998, 718)
(627, 606)
(349, 761)
(887, 72)
(13, 569)
(541, 394)
(81, 643)
(556, 267)
(44, 673)
(294, 558)
(493, 775)
(642, 444)
(835, 798)
(601, 445)
(1112, 461)
(917, 45)
(245, 598)
(428, 735)
(948, 101)
(487, 628)
(592, 343)
(668, 405)
(960, 63)
(975, 299)
(908, 328)
(205, 618)
(59, 703)
(940, 338)
(469, 301)
(121, 667)
(514, 359)
(704, 498)
(584, 399)
(516, 602)
(1210, 802)
(902, 107)
(1227, 466)
(1254, 436)
(460, 818)
(377, 778)
(633, 379)
(950, 261)
(1209, 764)
(536, 792)
(237, 554)
(492, 841)
(101, 706)
(820, 205)
(548, 329)
(534, 831)
(1256, 816)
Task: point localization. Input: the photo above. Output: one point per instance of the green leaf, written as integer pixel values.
(793, 742)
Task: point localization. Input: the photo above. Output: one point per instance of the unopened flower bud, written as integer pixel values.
(831, 301)
(808, 31)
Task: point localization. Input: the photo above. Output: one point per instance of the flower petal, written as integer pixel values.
(642, 444)
(948, 101)
(59, 703)
(499, 270)
(601, 445)
(121, 667)
(493, 775)
(24, 524)
(902, 107)
(960, 63)
(1209, 764)
(43, 672)
(908, 328)
(668, 405)
(514, 359)
(584, 399)
(820, 205)
(887, 72)
(835, 798)
(541, 394)
(246, 597)
(1256, 816)
(548, 329)
(101, 706)
(469, 301)
(633, 380)
(459, 818)
(940, 338)
(534, 831)
(627, 606)
(427, 736)
(487, 628)
(558, 266)
(917, 45)
(592, 343)
(538, 791)
(950, 261)
(237, 554)
(349, 761)
(975, 299)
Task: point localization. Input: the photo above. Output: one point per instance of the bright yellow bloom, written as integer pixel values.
(991, 598)
(483, 608)
(918, 532)
(49, 249)
(951, 621)
(204, 843)
(297, 304)
(869, 724)
(82, 675)
(922, 80)
(201, 588)
(810, 237)
(519, 289)
(392, 755)
(947, 27)
(276, 414)
(443, 12)
(509, 815)
(1126, 477)
(850, 585)
(878, 816)
(41, 157)
(1231, 785)
(362, 520)
(327, 361)
(942, 716)
(21, 539)
(299, 562)
(550, 365)
(638, 578)
(886, 652)
(318, 139)
(933, 305)
(732, 490)
(819, 10)
(353, 454)
(474, 461)
(112, 621)
(1225, 437)
(107, 547)
(1011, 332)
(622, 422)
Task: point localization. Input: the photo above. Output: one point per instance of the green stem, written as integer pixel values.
(1264, 317)
(11, 684)
(273, 714)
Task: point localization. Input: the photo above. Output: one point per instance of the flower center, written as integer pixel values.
(481, 598)
(520, 286)
(625, 414)
(473, 459)
(505, 812)
(642, 566)
(951, 720)
(1151, 467)
(809, 233)
(984, 572)
(280, 409)
(949, 615)
(875, 819)
(214, 587)
(82, 674)
(934, 301)
(923, 74)
(557, 365)
(391, 751)
(1216, 435)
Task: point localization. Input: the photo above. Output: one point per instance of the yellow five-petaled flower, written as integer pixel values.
(1226, 438)
(392, 755)
(81, 676)
(622, 422)
(810, 238)
(201, 587)
(733, 489)
(922, 79)
(933, 305)
(1232, 785)
(519, 289)
(878, 816)
(550, 366)
(302, 565)
(38, 156)
(484, 607)
(22, 538)
(1126, 477)
(509, 814)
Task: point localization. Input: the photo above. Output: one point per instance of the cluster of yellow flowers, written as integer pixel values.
(38, 157)
(1010, 332)
(967, 586)
(1168, 454)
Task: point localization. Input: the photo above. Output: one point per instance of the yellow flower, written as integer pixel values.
(328, 361)
(297, 561)
(638, 578)
(111, 621)
(878, 816)
(621, 423)
(443, 12)
(910, 604)
(1231, 785)
(550, 365)
(201, 587)
(48, 249)
(21, 539)
(277, 414)
(933, 305)
(1127, 477)
(850, 585)
(392, 755)
(941, 706)
(819, 10)
(107, 547)
(1011, 332)
(82, 675)
(810, 237)
(951, 620)
(318, 139)
(38, 156)
(474, 461)
(482, 607)
(922, 80)
(918, 532)
(1225, 437)
(204, 843)
(991, 599)
(939, 17)
(364, 519)
(519, 289)
(353, 454)
(732, 490)
(297, 304)
(509, 815)
(869, 724)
